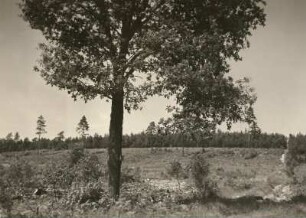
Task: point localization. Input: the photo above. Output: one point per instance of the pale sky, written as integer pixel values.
(276, 62)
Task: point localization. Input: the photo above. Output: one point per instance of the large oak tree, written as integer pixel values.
(127, 50)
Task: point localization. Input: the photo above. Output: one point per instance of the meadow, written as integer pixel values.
(156, 182)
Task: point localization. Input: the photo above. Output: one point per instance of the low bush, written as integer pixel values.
(89, 169)
(129, 175)
(199, 169)
(295, 154)
(91, 192)
(16, 181)
(176, 170)
(86, 169)
(249, 154)
(21, 174)
(63, 183)
(58, 176)
(19, 178)
(6, 201)
(76, 155)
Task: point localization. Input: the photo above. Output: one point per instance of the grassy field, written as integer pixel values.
(238, 174)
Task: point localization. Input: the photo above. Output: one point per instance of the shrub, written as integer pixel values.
(21, 173)
(15, 181)
(76, 155)
(92, 192)
(249, 154)
(199, 168)
(88, 169)
(58, 176)
(19, 179)
(176, 170)
(6, 202)
(129, 175)
(295, 154)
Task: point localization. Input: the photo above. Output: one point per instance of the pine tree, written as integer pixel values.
(60, 136)
(151, 133)
(41, 126)
(9, 136)
(16, 137)
(83, 127)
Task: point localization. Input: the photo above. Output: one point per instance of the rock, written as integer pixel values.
(282, 159)
(39, 192)
(245, 198)
(184, 207)
(281, 193)
(17, 197)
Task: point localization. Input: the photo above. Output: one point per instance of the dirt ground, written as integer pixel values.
(238, 174)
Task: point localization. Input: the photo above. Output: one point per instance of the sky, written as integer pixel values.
(275, 62)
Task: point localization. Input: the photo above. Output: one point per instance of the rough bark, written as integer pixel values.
(115, 144)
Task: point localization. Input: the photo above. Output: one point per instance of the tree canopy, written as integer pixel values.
(149, 47)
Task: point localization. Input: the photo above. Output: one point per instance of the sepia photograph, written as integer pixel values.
(153, 108)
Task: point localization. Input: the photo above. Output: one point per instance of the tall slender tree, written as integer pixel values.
(151, 133)
(83, 127)
(9, 136)
(60, 136)
(128, 50)
(41, 126)
(16, 137)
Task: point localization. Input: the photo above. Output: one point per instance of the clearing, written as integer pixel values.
(250, 183)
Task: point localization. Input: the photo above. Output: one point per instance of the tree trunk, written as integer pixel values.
(115, 144)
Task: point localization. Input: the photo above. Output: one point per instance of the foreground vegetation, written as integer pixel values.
(219, 182)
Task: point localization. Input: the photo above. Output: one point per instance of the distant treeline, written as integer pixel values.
(143, 140)
(219, 139)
